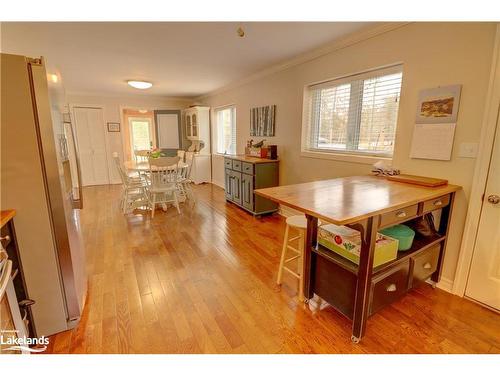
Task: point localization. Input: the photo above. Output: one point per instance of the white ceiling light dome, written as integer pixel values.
(141, 85)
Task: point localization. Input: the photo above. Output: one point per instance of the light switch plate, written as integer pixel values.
(468, 149)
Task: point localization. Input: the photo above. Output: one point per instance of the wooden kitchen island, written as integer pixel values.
(367, 204)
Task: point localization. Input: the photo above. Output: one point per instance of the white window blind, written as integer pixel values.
(226, 130)
(353, 115)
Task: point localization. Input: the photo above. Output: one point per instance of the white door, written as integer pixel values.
(91, 142)
(483, 284)
(168, 130)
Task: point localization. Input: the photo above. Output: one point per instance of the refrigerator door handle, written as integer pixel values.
(77, 203)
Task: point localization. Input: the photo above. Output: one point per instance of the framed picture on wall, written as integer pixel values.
(438, 105)
(113, 127)
(262, 121)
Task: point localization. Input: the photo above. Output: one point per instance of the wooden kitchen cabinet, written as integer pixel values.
(243, 174)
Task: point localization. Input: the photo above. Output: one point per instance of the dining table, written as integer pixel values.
(143, 166)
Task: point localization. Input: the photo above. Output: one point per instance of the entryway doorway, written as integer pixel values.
(139, 132)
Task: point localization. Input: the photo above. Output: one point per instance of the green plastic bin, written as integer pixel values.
(404, 234)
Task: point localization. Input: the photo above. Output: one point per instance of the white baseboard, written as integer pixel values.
(221, 185)
(445, 284)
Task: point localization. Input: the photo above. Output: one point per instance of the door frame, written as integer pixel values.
(72, 107)
(151, 122)
(181, 131)
(486, 143)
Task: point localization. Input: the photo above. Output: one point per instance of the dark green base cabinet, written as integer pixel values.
(242, 177)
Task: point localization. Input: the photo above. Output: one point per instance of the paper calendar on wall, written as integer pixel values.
(432, 141)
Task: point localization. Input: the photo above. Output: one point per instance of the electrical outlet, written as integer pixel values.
(468, 149)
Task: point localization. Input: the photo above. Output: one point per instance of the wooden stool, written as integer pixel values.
(299, 223)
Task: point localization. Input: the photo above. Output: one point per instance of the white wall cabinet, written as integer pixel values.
(197, 123)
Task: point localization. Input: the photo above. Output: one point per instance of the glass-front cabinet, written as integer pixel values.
(197, 122)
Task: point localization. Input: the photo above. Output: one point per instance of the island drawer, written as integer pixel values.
(228, 163)
(389, 287)
(247, 168)
(436, 203)
(237, 165)
(425, 264)
(398, 216)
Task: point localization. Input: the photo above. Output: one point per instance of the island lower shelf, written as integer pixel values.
(335, 277)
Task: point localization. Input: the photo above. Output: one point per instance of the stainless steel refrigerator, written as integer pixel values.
(39, 182)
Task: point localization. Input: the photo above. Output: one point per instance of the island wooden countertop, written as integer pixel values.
(6, 216)
(348, 200)
(251, 159)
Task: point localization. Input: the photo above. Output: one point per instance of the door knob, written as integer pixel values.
(494, 199)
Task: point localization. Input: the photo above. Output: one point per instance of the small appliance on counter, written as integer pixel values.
(273, 152)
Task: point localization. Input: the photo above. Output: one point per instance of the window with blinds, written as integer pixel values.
(226, 130)
(354, 115)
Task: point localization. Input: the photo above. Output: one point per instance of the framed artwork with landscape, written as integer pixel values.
(438, 105)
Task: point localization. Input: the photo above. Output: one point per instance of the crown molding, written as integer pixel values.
(349, 40)
(118, 95)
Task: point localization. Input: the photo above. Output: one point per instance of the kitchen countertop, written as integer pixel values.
(348, 200)
(251, 159)
(6, 216)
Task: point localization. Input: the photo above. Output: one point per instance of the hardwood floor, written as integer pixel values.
(204, 282)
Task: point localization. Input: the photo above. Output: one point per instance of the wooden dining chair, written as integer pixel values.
(163, 182)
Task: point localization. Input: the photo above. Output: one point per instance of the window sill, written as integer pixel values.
(348, 158)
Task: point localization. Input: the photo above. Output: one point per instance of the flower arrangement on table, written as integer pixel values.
(155, 153)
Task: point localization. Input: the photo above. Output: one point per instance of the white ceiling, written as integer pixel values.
(181, 59)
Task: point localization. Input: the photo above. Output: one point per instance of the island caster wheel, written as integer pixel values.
(355, 339)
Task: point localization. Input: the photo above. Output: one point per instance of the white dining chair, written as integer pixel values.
(181, 154)
(163, 182)
(141, 155)
(133, 188)
(185, 182)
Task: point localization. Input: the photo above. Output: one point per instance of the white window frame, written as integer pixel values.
(349, 156)
(216, 137)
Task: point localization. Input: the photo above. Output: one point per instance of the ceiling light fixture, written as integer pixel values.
(141, 85)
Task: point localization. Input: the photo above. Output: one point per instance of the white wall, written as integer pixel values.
(111, 108)
(433, 54)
